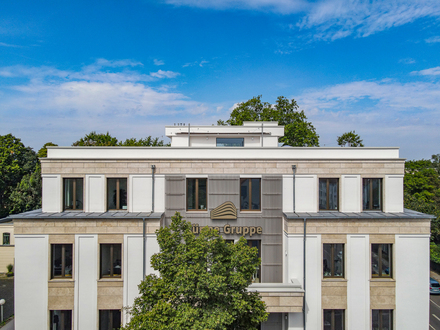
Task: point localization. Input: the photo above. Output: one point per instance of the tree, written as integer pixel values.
(202, 283)
(350, 139)
(147, 142)
(298, 132)
(26, 196)
(42, 153)
(101, 139)
(16, 161)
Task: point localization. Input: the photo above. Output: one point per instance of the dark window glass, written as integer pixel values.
(117, 194)
(256, 278)
(73, 194)
(111, 264)
(61, 320)
(6, 238)
(109, 319)
(328, 194)
(381, 260)
(372, 194)
(250, 194)
(334, 319)
(230, 142)
(197, 190)
(333, 259)
(382, 319)
(61, 260)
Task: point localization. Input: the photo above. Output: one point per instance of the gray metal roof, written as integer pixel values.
(39, 214)
(406, 214)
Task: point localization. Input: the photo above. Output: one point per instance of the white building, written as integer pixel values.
(335, 242)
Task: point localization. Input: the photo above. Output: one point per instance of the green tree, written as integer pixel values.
(298, 132)
(147, 142)
(42, 153)
(95, 139)
(350, 139)
(202, 283)
(26, 196)
(16, 161)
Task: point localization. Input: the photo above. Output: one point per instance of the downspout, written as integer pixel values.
(189, 136)
(294, 172)
(262, 132)
(153, 169)
(304, 273)
(144, 238)
(143, 249)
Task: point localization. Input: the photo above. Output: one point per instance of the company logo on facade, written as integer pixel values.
(225, 211)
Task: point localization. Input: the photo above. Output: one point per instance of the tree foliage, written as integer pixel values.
(42, 153)
(16, 161)
(350, 139)
(298, 132)
(101, 139)
(202, 283)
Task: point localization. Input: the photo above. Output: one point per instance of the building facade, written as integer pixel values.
(7, 241)
(337, 248)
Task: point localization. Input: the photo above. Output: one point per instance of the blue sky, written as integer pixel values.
(132, 67)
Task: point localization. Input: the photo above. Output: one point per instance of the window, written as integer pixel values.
(256, 278)
(111, 260)
(230, 142)
(250, 199)
(334, 319)
(196, 194)
(109, 319)
(6, 238)
(372, 194)
(328, 194)
(61, 320)
(381, 260)
(117, 194)
(61, 260)
(382, 319)
(73, 194)
(333, 260)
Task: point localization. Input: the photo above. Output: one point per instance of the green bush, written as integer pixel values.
(9, 267)
(435, 253)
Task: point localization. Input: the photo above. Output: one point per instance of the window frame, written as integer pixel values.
(229, 146)
(196, 183)
(111, 312)
(333, 320)
(250, 194)
(112, 275)
(63, 313)
(258, 270)
(381, 311)
(380, 261)
(327, 194)
(118, 194)
(74, 181)
(370, 206)
(332, 260)
(63, 261)
(8, 240)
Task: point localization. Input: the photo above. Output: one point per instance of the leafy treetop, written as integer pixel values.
(42, 153)
(101, 139)
(350, 139)
(202, 283)
(298, 132)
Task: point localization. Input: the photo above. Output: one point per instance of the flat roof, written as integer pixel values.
(39, 214)
(406, 214)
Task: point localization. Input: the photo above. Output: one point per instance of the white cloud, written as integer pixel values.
(407, 61)
(428, 72)
(164, 74)
(3, 44)
(335, 19)
(433, 39)
(158, 62)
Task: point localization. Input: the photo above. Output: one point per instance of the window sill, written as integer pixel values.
(197, 211)
(116, 279)
(334, 279)
(382, 279)
(251, 211)
(67, 279)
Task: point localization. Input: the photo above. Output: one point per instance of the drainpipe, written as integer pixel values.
(144, 238)
(153, 169)
(304, 273)
(143, 249)
(189, 135)
(294, 172)
(262, 133)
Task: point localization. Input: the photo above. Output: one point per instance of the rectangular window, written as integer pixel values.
(6, 238)
(256, 278)
(381, 260)
(333, 258)
(382, 319)
(328, 194)
(117, 194)
(372, 194)
(61, 320)
(196, 194)
(61, 260)
(109, 319)
(250, 194)
(111, 264)
(334, 319)
(230, 142)
(73, 194)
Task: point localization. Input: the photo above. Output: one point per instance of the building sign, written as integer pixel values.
(231, 230)
(225, 211)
